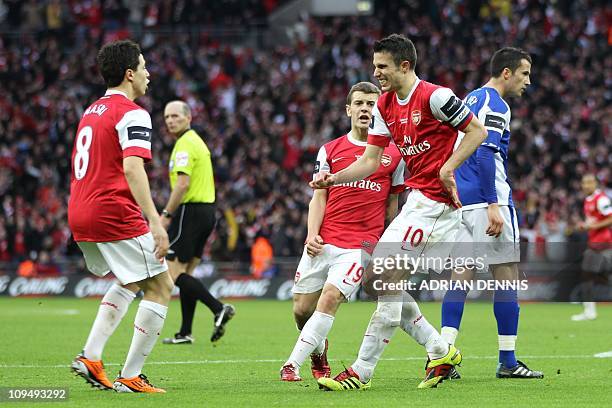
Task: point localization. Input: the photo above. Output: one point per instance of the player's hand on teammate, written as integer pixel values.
(161, 238)
(447, 177)
(323, 180)
(314, 246)
(496, 222)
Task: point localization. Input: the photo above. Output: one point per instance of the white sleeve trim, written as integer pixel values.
(398, 174)
(134, 118)
(321, 164)
(378, 126)
(603, 206)
(447, 107)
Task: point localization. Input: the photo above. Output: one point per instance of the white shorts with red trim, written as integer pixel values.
(131, 260)
(343, 268)
(423, 234)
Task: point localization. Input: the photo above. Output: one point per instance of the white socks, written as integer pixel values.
(311, 338)
(589, 308)
(449, 334)
(320, 348)
(506, 343)
(417, 326)
(382, 325)
(147, 325)
(112, 308)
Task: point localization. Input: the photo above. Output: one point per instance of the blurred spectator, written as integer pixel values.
(45, 266)
(262, 258)
(27, 268)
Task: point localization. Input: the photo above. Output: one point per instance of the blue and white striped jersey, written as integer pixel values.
(494, 113)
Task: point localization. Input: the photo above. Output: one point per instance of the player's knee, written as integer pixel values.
(389, 313)
(175, 268)
(159, 287)
(167, 285)
(503, 272)
(330, 300)
(302, 312)
(410, 310)
(133, 287)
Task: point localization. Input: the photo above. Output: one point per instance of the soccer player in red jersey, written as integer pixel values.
(109, 191)
(423, 120)
(597, 259)
(344, 225)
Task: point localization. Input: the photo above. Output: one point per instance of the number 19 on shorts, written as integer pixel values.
(356, 272)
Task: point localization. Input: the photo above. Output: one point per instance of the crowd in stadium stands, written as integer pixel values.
(265, 112)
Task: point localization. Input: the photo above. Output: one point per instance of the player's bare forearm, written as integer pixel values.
(607, 222)
(177, 193)
(475, 134)
(316, 212)
(363, 167)
(136, 177)
(392, 206)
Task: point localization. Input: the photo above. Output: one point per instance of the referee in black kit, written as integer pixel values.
(190, 216)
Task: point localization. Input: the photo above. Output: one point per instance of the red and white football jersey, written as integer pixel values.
(424, 127)
(355, 212)
(597, 207)
(101, 206)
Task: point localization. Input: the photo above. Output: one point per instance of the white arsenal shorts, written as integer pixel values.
(420, 237)
(131, 260)
(343, 268)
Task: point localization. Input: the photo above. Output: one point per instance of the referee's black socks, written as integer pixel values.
(193, 287)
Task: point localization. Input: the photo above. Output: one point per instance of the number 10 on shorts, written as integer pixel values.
(413, 237)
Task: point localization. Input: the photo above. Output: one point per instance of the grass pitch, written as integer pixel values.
(40, 337)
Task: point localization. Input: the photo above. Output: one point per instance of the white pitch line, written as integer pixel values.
(247, 361)
(22, 312)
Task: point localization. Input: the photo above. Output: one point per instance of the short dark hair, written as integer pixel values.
(365, 87)
(115, 58)
(507, 57)
(400, 47)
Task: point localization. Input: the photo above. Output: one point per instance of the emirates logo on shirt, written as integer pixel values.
(413, 150)
(416, 117)
(363, 184)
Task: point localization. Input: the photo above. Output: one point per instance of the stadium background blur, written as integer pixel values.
(265, 96)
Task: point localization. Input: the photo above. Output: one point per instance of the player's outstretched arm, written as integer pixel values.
(605, 223)
(365, 166)
(316, 211)
(475, 134)
(136, 177)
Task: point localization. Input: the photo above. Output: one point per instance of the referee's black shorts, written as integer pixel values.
(189, 229)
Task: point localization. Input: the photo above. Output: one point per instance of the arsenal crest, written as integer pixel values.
(386, 160)
(416, 117)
